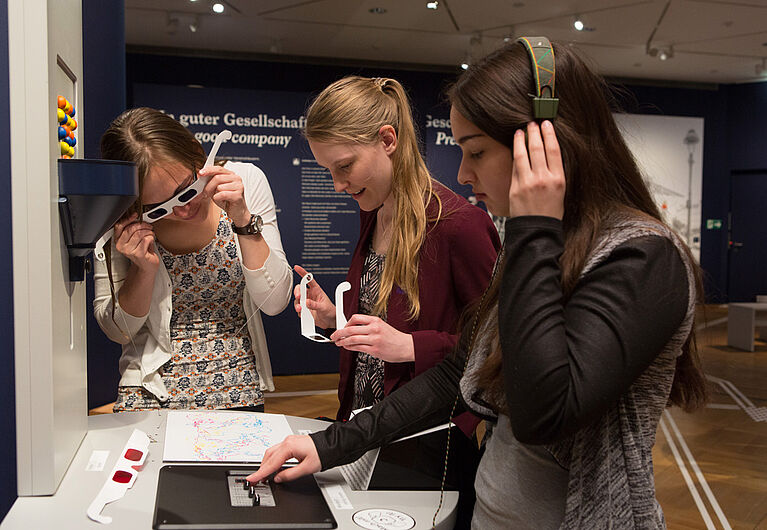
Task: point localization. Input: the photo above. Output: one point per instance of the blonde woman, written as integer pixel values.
(423, 255)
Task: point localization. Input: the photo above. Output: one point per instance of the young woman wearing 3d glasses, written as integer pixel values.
(184, 291)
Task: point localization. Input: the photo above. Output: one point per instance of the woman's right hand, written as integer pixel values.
(322, 308)
(301, 448)
(135, 240)
(538, 181)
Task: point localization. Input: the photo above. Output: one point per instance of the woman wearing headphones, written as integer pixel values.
(586, 332)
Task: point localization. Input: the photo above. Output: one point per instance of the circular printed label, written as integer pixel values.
(382, 519)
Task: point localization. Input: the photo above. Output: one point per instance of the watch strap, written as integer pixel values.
(253, 227)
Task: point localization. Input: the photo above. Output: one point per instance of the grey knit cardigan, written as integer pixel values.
(609, 462)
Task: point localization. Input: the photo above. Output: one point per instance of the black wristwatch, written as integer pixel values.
(255, 226)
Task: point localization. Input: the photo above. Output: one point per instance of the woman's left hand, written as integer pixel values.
(228, 192)
(371, 335)
(538, 177)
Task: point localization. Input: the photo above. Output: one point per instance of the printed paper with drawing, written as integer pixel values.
(217, 436)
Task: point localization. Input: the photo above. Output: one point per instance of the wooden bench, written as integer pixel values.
(743, 320)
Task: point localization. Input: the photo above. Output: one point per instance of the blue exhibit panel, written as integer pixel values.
(443, 155)
(7, 377)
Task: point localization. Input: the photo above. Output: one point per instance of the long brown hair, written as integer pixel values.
(147, 137)
(353, 110)
(603, 178)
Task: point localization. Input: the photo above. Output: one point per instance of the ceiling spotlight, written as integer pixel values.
(578, 24)
(666, 53)
(509, 37)
(466, 61)
(475, 50)
(218, 7)
(761, 68)
(275, 46)
(661, 53)
(193, 25)
(432, 5)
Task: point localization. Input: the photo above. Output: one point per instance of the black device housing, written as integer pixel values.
(93, 195)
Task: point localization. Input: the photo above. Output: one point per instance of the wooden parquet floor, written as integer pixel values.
(728, 446)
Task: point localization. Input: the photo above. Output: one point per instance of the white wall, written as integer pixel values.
(657, 143)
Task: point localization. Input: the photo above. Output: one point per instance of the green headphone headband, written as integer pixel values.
(544, 73)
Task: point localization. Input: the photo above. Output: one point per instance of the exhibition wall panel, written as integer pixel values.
(426, 90)
(104, 90)
(747, 126)
(165, 74)
(7, 375)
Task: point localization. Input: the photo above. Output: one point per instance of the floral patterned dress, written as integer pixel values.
(212, 365)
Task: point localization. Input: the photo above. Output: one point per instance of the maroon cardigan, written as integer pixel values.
(454, 268)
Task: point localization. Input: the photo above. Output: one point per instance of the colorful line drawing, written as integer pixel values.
(216, 436)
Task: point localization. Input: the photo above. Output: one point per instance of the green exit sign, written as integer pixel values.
(713, 224)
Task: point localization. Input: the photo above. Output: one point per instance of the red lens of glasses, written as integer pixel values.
(123, 477)
(133, 455)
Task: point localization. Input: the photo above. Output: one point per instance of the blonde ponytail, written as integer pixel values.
(354, 109)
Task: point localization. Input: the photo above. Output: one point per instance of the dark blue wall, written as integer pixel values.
(728, 112)
(426, 88)
(104, 89)
(747, 127)
(7, 374)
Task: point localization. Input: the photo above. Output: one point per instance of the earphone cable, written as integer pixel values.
(469, 350)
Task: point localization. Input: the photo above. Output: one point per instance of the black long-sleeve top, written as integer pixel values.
(563, 364)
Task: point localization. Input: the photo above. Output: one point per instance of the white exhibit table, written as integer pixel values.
(109, 432)
(744, 320)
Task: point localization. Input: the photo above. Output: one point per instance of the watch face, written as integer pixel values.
(258, 223)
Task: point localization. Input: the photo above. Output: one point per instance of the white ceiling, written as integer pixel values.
(714, 41)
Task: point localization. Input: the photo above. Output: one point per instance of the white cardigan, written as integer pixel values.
(146, 340)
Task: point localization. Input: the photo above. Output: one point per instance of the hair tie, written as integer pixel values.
(380, 82)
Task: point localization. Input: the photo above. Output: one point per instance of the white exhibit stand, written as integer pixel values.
(743, 321)
(109, 432)
(45, 61)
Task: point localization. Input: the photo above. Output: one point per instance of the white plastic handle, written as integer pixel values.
(99, 250)
(340, 317)
(221, 137)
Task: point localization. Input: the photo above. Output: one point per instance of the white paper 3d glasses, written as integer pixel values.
(179, 199)
(122, 477)
(308, 329)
